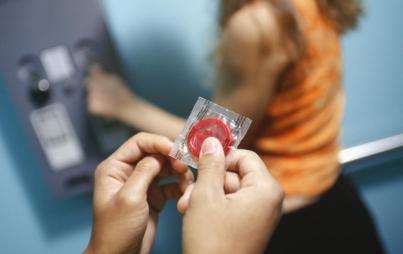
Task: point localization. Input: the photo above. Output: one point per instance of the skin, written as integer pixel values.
(127, 197)
(253, 81)
(236, 219)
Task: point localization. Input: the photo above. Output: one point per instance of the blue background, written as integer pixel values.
(165, 46)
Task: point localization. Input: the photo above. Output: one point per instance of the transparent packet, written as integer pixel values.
(231, 124)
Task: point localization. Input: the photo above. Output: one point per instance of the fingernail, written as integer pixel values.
(209, 146)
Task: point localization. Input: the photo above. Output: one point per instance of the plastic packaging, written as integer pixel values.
(208, 119)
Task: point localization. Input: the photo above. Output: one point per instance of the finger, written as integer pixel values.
(158, 195)
(245, 162)
(183, 202)
(140, 144)
(165, 172)
(184, 174)
(109, 178)
(232, 182)
(251, 169)
(184, 180)
(171, 191)
(143, 174)
(211, 167)
(176, 168)
(179, 166)
(155, 197)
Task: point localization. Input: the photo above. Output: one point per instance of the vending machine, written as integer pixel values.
(46, 48)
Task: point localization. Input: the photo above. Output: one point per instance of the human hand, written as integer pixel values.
(108, 94)
(227, 212)
(128, 198)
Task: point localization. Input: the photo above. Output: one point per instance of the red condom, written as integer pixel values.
(209, 127)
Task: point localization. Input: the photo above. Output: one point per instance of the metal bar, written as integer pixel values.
(366, 150)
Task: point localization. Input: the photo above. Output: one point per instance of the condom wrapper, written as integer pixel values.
(208, 119)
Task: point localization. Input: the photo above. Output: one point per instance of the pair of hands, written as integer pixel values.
(225, 211)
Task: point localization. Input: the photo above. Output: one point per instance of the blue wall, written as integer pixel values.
(381, 187)
(165, 46)
(373, 61)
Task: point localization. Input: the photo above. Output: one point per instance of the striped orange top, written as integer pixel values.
(299, 141)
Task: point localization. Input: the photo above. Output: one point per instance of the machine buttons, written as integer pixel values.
(40, 91)
(31, 74)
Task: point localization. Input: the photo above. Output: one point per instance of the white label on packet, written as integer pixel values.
(57, 137)
(57, 63)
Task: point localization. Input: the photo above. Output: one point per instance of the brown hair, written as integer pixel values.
(344, 14)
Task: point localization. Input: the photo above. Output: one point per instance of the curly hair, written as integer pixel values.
(343, 14)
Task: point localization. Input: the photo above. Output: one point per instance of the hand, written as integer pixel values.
(127, 197)
(108, 94)
(225, 213)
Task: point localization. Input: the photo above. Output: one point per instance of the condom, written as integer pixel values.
(208, 119)
(209, 127)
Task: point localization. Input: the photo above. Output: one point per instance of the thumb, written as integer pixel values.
(211, 167)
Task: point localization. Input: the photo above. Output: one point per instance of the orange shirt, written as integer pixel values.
(299, 140)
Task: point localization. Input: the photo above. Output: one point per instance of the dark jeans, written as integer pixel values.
(338, 223)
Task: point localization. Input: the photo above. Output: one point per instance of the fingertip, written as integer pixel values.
(161, 159)
(143, 143)
(185, 180)
(211, 146)
(212, 156)
(161, 143)
(211, 167)
(181, 206)
(184, 200)
(179, 166)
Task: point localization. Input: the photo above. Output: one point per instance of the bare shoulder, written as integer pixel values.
(250, 25)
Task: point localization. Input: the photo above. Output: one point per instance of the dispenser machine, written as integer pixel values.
(46, 48)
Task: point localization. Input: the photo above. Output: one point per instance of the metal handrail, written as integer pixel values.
(366, 150)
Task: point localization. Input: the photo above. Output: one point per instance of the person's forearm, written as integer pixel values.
(145, 116)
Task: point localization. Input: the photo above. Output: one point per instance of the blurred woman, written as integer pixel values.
(279, 62)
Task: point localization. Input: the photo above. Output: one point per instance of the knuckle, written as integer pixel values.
(211, 163)
(272, 192)
(252, 155)
(101, 169)
(147, 163)
(165, 139)
(141, 135)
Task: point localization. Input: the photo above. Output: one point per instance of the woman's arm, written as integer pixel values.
(250, 78)
(146, 116)
(250, 63)
(250, 70)
(108, 96)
